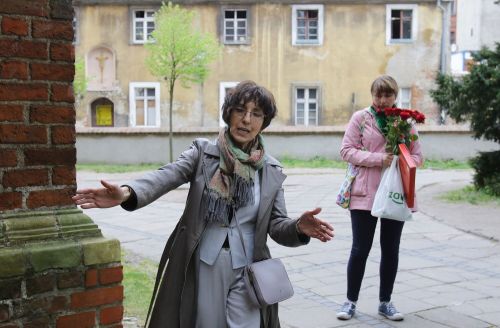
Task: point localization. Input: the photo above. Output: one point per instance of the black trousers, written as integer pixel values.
(363, 230)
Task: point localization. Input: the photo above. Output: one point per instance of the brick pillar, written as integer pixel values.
(56, 268)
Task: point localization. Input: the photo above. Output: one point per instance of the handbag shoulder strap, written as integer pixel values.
(241, 236)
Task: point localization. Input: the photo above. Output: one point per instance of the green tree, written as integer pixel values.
(79, 81)
(475, 97)
(178, 51)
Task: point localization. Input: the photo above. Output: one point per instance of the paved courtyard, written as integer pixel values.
(449, 271)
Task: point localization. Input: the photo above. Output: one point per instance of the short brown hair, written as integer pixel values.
(384, 84)
(245, 92)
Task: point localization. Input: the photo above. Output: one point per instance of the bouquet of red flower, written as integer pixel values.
(399, 127)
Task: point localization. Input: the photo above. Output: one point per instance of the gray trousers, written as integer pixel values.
(223, 300)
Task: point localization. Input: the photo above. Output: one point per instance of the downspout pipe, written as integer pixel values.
(445, 37)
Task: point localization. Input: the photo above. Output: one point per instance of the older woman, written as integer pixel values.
(200, 277)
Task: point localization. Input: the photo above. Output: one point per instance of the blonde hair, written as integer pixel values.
(384, 84)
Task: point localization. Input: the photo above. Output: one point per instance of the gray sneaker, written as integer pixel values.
(347, 310)
(388, 310)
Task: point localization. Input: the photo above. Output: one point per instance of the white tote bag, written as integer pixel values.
(389, 200)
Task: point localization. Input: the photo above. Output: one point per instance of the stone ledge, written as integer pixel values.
(59, 254)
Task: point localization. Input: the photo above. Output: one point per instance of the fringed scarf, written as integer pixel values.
(232, 185)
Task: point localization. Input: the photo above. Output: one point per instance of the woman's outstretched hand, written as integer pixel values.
(313, 227)
(109, 196)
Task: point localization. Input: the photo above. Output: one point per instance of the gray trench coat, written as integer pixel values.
(175, 292)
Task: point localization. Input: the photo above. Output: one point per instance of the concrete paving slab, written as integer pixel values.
(442, 258)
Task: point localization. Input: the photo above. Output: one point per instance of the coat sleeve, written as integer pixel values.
(352, 149)
(154, 184)
(281, 228)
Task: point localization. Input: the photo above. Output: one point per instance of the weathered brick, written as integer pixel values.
(80, 320)
(69, 279)
(62, 52)
(91, 278)
(10, 201)
(8, 157)
(110, 275)
(10, 325)
(14, 26)
(14, 69)
(25, 91)
(58, 303)
(23, 178)
(40, 322)
(40, 284)
(64, 175)
(31, 8)
(23, 48)
(9, 288)
(61, 9)
(96, 297)
(63, 135)
(111, 315)
(23, 134)
(11, 113)
(62, 30)
(52, 114)
(52, 72)
(49, 198)
(50, 156)
(62, 92)
(4, 312)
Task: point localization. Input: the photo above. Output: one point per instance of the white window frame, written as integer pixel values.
(306, 103)
(402, 100)
(145, 21)
(320, 10)
(388, 23)
(235, 20)
(222, 94)
(132, 107)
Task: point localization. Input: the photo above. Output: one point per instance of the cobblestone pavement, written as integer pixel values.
(449, 270)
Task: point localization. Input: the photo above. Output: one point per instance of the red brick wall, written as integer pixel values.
(64, 299)
(37, 116)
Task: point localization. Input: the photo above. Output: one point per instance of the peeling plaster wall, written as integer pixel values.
(353, 53)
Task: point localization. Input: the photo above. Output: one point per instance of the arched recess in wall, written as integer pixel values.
(102, 112)
(101, 69)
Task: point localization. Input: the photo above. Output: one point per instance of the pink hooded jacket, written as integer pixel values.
(366, 148)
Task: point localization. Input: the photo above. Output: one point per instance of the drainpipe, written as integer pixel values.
(445, 37)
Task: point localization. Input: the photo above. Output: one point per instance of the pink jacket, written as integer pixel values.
(366, 149)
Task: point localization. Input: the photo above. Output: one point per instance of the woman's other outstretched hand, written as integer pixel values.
(313, 227)
(109, 196)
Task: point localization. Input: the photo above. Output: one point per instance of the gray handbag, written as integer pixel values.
(266, 281)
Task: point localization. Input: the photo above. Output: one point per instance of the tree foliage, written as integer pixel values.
(475, 96)
(178, 51)
(79, 81)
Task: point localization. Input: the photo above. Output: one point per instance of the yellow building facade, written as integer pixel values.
(317, 58)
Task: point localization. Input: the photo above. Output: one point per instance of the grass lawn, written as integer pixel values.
(315, 162)
(470, 195)
(138, 280)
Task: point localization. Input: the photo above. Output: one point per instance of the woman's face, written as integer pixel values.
(245, 123)
(383, 100)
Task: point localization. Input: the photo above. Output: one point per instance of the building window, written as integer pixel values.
(404, 98)
(306, 105)
(224, 88)
(235, 26)
(144, 104)
(143, 25)
(307, 24)
(401, 23)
